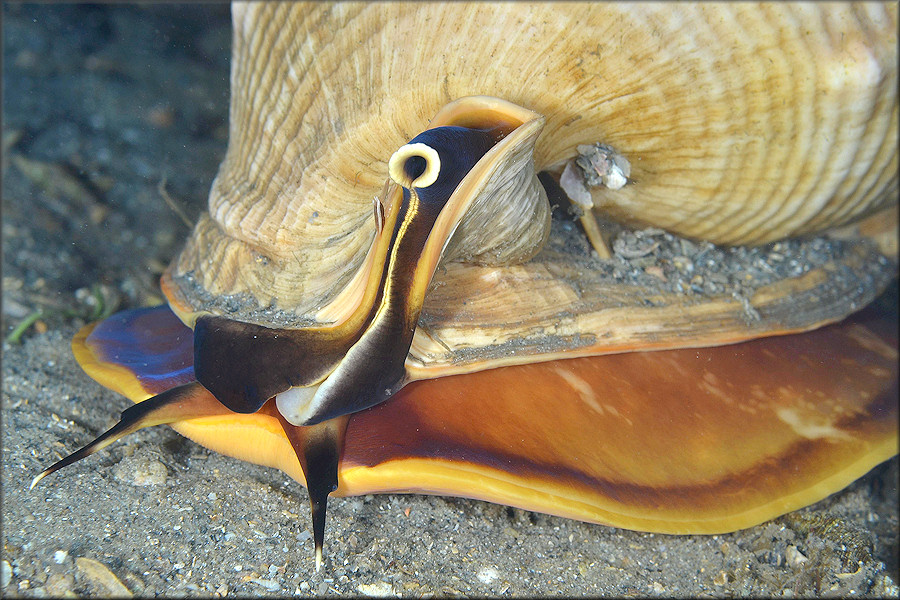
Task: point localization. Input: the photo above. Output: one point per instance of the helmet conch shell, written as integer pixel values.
(741, 126)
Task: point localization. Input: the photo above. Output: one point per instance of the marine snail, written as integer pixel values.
(378, 220)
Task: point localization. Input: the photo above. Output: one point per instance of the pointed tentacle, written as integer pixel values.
(318, 448)
(187, 401)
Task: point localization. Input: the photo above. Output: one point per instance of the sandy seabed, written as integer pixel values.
(101, 105)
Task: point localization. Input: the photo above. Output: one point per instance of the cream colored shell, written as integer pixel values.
(743, 123)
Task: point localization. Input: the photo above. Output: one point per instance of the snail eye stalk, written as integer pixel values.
(438, 159)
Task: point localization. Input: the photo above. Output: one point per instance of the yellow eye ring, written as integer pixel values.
(397, 167)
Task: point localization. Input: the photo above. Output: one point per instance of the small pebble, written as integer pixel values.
(378, 589)
(141, 472)
(5, 573)
(488, 575)
(59, 557)
(60, 585)
(794, 557)
(101, 577)
(272, 586)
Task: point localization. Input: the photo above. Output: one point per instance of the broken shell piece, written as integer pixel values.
(603, 165)
(572, 183)
(596, 165)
